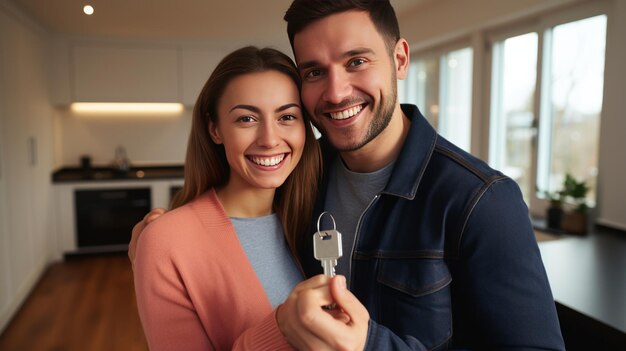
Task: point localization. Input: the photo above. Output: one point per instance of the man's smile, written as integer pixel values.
(345, 114)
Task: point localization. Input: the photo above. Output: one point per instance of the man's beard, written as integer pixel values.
(380, 120)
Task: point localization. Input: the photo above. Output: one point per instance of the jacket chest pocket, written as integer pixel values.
(414, 296)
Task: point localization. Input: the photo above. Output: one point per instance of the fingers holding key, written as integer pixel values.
(304, 307)
(308, 325)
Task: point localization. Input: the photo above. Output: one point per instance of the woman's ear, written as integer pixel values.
(214, 132)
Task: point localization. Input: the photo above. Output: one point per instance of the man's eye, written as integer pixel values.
(357, 62)
(313, 73)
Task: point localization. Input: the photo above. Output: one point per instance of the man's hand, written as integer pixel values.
(139, 227)
(308, 326)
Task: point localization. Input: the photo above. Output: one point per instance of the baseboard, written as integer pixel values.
(7, 314)
(611, 224)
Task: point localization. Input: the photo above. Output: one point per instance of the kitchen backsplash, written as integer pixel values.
(147, 139)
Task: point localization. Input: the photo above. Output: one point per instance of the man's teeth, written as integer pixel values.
(346, 113)
(268, 161)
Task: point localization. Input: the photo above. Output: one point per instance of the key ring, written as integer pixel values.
(320, 218)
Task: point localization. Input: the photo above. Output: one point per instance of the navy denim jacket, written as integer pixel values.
(445, 257)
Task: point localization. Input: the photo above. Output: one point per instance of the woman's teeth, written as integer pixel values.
(346, 113)
(268, 161)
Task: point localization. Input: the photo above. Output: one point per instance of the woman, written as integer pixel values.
(210, 273)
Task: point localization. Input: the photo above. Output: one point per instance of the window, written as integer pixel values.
(441, 87)
(566, 106)
(512, 109)
(571, 103)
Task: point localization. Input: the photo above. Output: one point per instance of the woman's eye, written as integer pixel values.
(246, 119)
(288, 118)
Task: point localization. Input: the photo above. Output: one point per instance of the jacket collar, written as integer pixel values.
(414, 156)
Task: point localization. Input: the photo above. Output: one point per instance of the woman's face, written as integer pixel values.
(260, 123)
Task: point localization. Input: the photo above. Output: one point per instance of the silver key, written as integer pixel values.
(327, 247)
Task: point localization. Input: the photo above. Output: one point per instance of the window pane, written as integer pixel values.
(574, 76)
(442, 88)
(422, 88)
(512, 105)
(455, 115)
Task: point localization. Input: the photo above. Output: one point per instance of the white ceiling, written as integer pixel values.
(231, 22)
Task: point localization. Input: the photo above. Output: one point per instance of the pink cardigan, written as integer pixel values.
(195, 287)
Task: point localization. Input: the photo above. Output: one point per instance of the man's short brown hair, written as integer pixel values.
(301, 13)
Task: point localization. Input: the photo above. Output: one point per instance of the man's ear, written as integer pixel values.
(401, 57)
(214, 133)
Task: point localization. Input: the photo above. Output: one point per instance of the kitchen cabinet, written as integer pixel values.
(110, 71)
(197, 65)
(125, 73)
(26, 221)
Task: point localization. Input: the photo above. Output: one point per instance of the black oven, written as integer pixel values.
(105, 217)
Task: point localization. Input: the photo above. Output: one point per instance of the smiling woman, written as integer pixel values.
(210, 273)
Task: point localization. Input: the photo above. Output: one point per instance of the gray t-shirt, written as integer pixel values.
(263, 241)
(347, 196)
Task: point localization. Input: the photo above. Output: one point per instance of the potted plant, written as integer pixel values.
(554, 213)
(575, 220)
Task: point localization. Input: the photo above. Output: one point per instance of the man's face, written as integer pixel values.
(348, 78)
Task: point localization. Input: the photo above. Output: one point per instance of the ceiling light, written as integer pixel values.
(125, 108)
(88, 10)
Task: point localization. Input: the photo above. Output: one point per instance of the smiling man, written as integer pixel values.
(437, 246)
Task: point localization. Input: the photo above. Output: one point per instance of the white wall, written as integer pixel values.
(444, 22)
(612, 194)
(147, 139)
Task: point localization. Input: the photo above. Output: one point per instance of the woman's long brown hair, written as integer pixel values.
(206, 166)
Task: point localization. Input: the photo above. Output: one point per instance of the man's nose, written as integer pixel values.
(268, 135)
(337, 87)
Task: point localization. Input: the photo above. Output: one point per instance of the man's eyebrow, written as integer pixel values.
(306, 65)
(258, 110)
(359, 51)
(350, 53)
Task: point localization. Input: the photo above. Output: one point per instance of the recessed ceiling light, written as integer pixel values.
(88, 10)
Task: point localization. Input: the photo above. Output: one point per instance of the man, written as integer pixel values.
(437, 246)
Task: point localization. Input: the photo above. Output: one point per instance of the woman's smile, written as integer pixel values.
(268, 162)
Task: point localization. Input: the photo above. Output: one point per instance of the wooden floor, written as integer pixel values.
(85, 303)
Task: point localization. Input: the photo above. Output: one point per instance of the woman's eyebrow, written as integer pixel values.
(246, 107)
(258, 110)
(287, 106)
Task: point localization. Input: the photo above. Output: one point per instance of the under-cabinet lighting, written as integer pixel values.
(115, 107)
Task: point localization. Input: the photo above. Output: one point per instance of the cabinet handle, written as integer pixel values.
(32, 151)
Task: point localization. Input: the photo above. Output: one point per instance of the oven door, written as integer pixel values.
(105, 217)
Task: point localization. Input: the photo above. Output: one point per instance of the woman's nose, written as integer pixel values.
(269, 135)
